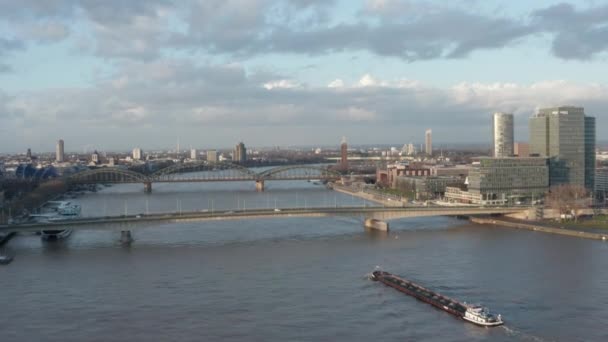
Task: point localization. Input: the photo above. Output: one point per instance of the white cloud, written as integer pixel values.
(281, 84)
(172, 95)
(337, 83)
(368, 81)
(357, 114)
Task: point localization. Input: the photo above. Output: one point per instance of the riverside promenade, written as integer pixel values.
(540, 227)
(376, 197)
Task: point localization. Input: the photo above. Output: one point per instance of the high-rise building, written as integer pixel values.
(521, 149)
(212, 156)
(240, 153)
(137, 153)
(344, 154)
(502, 134)
(95, 157)
(589, 152)
(504, 180)
(428, 142)
(411, 149)
(59, 154)
(601, 184)
(567, 137)
(193, 154)
(29, 153)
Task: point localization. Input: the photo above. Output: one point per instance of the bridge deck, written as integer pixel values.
(374, 212)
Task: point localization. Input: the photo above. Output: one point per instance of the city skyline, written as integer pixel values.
(280, 170)
(295, 67)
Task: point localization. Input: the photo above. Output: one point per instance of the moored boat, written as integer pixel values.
(470, 313)
(53, 212)
(5, 259)
(50, 235)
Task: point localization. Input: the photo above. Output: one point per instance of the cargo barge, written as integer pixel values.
(472, 313)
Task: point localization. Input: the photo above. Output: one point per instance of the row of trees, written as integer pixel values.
(567, 200)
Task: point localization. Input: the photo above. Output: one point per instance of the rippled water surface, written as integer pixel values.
(293, 279)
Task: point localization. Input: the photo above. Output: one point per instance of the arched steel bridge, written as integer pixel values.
(203, 172)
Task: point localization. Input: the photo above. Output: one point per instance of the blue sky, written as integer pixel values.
(113, 74)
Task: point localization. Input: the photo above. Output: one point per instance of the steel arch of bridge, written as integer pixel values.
(227, 171)
(108, 175)
(298, 172)
(214, 172)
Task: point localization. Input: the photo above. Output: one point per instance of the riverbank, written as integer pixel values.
(369, 196)
(519, 224)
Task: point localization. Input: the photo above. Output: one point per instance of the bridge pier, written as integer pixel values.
(125, 237)
(147, 187)
(259, 185)
(375, 224)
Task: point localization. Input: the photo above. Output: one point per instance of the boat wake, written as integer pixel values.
(522, 335)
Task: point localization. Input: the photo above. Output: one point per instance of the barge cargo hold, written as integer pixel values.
(471, 313)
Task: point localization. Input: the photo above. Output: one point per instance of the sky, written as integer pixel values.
(113, 74)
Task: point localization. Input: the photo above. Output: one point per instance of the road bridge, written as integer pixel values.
(380, 214)
(203, 172)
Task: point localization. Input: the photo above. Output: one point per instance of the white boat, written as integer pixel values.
(65, 208)
(5, 259)
(61, 210)
(49, 235)
(481, 316)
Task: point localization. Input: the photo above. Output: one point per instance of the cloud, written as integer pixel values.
(404, 29)
(337, 83)
(5, 68)
(44, 32)
(578, 34)
(170, 66)
(281, 84)
(9, 45)
(180, 95)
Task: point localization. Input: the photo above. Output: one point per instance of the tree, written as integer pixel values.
(567, 199)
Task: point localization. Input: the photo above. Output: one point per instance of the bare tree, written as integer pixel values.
(567, 199)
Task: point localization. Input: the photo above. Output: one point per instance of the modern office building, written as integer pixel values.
(344, 154)
(502, 134)
(521, 149)
(428, 142)
(461, 171)
(590, 153)
(504, 181)
(193, 154)
(59, 152)
(601, 184)
(425, 188)
(240, 153)
(567, 137)
(137, 154)
(212, 156)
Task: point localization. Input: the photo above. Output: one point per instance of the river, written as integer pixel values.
(293, 279)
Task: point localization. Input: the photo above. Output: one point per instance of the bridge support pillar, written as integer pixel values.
(125, 237)
(376, 225)
(259, 185)
(147, 187)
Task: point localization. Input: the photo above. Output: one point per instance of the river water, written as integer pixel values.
(293, 279)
